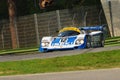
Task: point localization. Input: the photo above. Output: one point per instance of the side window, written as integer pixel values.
(82, 32)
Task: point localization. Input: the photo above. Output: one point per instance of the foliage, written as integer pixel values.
(25, 7)
(3, 9)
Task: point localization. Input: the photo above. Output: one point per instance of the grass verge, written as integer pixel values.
(100, 60)
(14, 51)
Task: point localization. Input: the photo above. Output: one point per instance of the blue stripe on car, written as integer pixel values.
(56, 41)
(71, 39)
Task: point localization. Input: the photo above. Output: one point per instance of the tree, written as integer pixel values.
(61, 3)
(11, 9)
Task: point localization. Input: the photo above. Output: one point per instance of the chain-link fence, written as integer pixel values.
(30, 29)
(5, 37)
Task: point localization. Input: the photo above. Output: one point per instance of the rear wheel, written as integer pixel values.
(102, 40)
(88, 43)
(102, 43)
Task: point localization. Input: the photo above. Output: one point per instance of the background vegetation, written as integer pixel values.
(25, 7)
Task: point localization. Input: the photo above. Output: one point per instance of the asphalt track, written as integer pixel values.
(103, 74)
(38, 55)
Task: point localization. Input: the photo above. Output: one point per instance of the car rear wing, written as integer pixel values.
(95, 28)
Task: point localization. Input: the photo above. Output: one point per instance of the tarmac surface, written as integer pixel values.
(38, 55)
(103, 74)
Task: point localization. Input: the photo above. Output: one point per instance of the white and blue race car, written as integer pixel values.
(74, 38)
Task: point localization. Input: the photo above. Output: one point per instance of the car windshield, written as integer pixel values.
(68, 33)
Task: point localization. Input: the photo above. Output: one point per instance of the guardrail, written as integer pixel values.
(112, 41)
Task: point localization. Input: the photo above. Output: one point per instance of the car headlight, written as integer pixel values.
(79, 41)
(45, 44)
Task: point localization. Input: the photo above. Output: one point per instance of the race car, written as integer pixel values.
(74, 38)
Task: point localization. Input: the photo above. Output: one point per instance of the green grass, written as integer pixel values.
(100, 60)
(21, 50)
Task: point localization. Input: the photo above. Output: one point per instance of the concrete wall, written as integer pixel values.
(113, 19)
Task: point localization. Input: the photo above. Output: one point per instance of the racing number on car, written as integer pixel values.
(63, 41)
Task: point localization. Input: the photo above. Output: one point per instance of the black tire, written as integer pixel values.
(102, 40)
(88, 43)
(102, 43)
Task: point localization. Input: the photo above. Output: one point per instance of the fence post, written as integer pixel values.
(49, 26)
(17, 39)
(2, 36)
(100, 17)
(73, 19)
(2, 40)
(58, 19)
(36, 28)
(85, 18)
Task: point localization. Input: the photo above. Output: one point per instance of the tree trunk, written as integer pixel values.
(11, 9)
